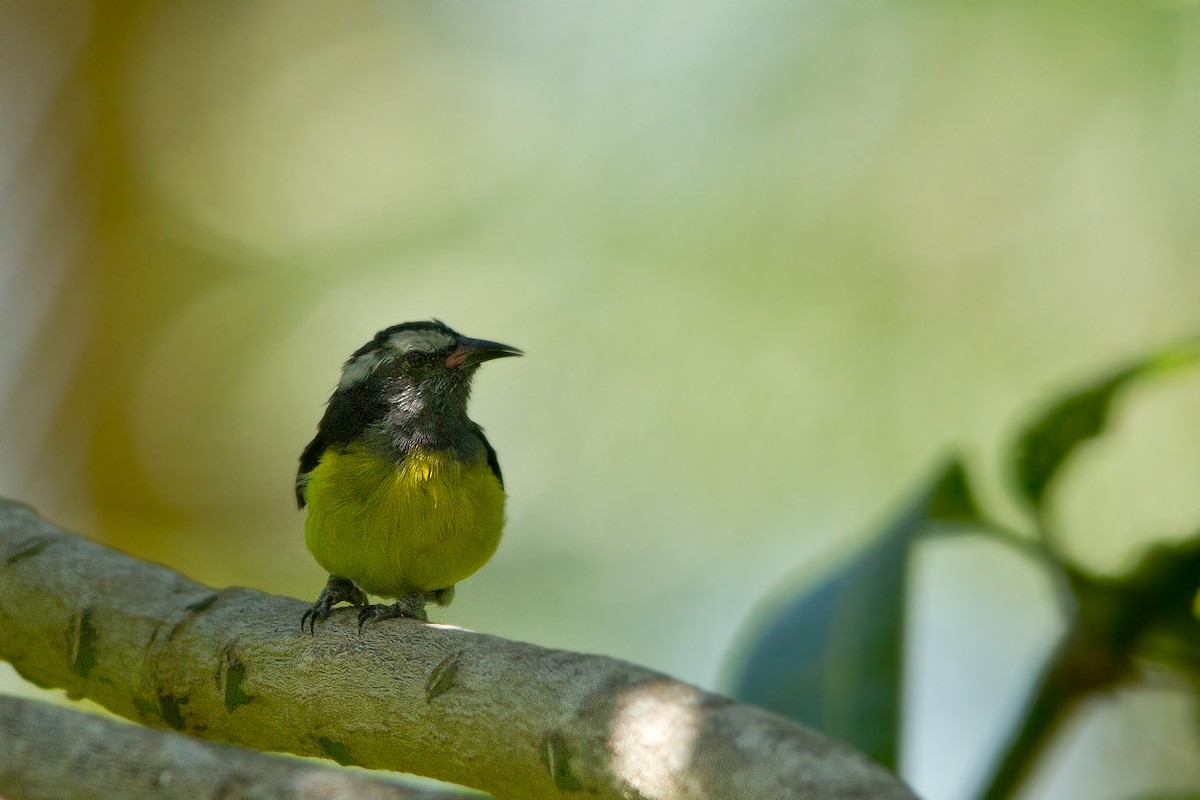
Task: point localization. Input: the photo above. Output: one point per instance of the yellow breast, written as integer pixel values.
(418, 526)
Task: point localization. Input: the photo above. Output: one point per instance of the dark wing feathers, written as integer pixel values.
(308, 462)
(493, 462)
(348, 413)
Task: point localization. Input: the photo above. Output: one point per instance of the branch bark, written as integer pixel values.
(512, 719)
(52, 753)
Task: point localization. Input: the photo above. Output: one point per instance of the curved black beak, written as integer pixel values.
(470, 352)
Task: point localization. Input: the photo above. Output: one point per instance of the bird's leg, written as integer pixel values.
(411, 605)
(337, 590)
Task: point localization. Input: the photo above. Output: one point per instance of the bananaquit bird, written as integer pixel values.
(404, 492)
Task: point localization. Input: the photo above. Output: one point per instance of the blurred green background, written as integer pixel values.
(769, 260)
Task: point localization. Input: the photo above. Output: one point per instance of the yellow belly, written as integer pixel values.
(419, 526)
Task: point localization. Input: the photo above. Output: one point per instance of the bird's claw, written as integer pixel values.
(337, 590)
(317, 614)
(411, 606)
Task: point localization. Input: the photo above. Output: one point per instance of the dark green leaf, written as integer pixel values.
(1046, 444)
(1164, 589)
(951, 499)
(833, 656)
(1051, 439)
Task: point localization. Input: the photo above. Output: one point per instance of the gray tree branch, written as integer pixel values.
(52, 753)
(512, 719)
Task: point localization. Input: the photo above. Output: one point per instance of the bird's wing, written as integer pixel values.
(308, 462)
(493, 462)
(348, 413)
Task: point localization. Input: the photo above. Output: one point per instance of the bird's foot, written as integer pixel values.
(337, 590)
(411, 606)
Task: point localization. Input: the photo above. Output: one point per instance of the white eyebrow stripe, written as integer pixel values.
(359, 369)
(425, 341)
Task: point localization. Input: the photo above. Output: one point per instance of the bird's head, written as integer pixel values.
(420, 366)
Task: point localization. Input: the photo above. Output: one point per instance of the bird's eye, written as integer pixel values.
(417, 358)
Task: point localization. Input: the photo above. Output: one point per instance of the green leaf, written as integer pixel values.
(951, 499)
(1165, 587)
(1049, 441)
(833, 656)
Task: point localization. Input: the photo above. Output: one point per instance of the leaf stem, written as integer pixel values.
(1027, 545)
(1058, 692)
